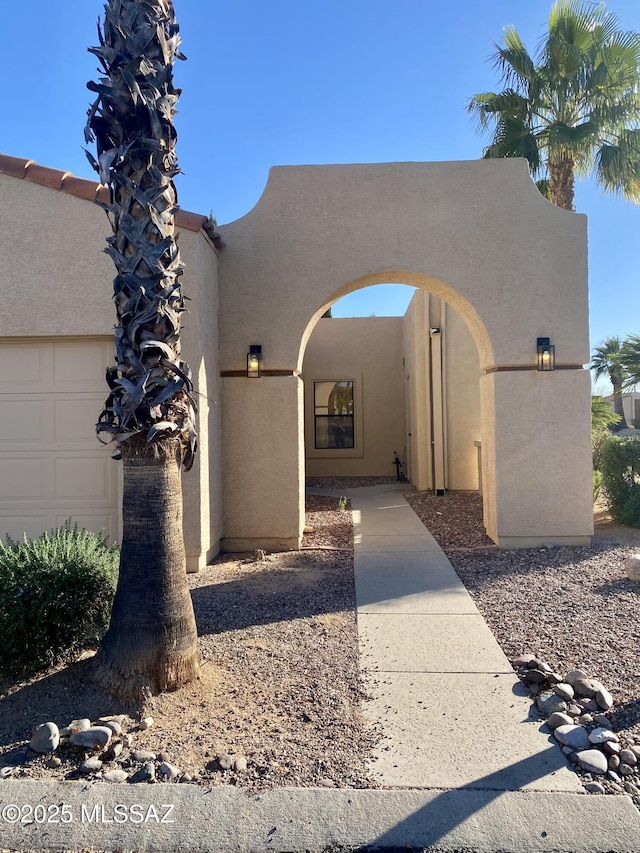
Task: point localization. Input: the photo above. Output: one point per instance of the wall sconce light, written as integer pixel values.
(254, 361)
(546, 354)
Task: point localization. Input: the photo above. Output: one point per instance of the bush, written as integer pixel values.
(597, 484)
(620, 466)
(598, 439)
(56, 594)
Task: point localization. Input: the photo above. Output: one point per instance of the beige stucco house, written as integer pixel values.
(453, 387)
(630, 406)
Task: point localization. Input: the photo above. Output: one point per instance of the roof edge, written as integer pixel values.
(67, 182)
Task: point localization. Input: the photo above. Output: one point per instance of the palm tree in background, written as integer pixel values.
(602, 415)
(151, 643)
(608, 360)
(630, 360)
(572, 109)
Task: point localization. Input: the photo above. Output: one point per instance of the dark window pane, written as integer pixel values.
(334, 431)
(333, 408)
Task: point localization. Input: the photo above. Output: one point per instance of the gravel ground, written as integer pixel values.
(574, 608)
(337, 483)
(279, 683)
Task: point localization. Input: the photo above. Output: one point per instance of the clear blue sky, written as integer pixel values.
(291, 82)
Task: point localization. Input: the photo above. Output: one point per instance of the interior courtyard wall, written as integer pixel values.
(368, 351)
(415, 339)
(462, 403)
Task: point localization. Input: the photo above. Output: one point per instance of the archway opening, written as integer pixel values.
(392, 391)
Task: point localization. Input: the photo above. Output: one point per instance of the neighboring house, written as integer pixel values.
(631, 407)
(496, 268)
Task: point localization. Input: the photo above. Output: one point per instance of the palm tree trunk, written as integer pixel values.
(618, 407)
(561, 182)
(151, 644)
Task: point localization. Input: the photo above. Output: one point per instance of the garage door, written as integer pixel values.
(52, 467)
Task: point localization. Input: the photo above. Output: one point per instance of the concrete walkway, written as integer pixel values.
(464, 767)
(452, 711)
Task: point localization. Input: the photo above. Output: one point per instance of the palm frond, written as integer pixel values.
(630, 359)
(488, 106)
(513, 138)
(572, 136)
(545, 188)
(617, 165)
(513, 60)
(580, 24)
(607, 360)
(602, 414)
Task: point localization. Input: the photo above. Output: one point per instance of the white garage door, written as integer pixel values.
(52, 467)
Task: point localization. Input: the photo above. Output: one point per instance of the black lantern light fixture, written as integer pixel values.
(546, 354)
(254, 361)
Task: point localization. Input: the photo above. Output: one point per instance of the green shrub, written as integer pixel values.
(620, 466)
(598, 438)
(56, 594)
(597, 484)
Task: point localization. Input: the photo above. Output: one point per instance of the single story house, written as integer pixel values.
(453, 387)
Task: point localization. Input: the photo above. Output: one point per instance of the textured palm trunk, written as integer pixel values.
(151, 644)
(562, 182)
(618, 406)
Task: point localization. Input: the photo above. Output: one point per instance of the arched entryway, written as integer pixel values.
(411, 389)
(477, 235)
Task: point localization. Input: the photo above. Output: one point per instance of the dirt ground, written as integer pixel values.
(606, 530)
(279, 684)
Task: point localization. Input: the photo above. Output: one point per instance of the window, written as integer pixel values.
(333, 412)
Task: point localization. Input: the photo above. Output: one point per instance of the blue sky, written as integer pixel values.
(290, 82)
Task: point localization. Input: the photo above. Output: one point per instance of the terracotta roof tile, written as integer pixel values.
(80, 187)
(103, 194)
(56, 179)
(16, 166)
(43, 175)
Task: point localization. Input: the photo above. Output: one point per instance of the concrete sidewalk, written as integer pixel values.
(451, 708)
(464, 767)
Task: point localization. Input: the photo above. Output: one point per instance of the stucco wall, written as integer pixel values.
(58, 282)
(418, 399)
(202, 486)
(54, 274)
(536, 457)
(319, 232)
(462, 403)
(262, 462)
(475, 234)
(367, 350)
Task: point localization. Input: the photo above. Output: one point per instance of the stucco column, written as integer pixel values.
(262, 463)
(536, 457)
